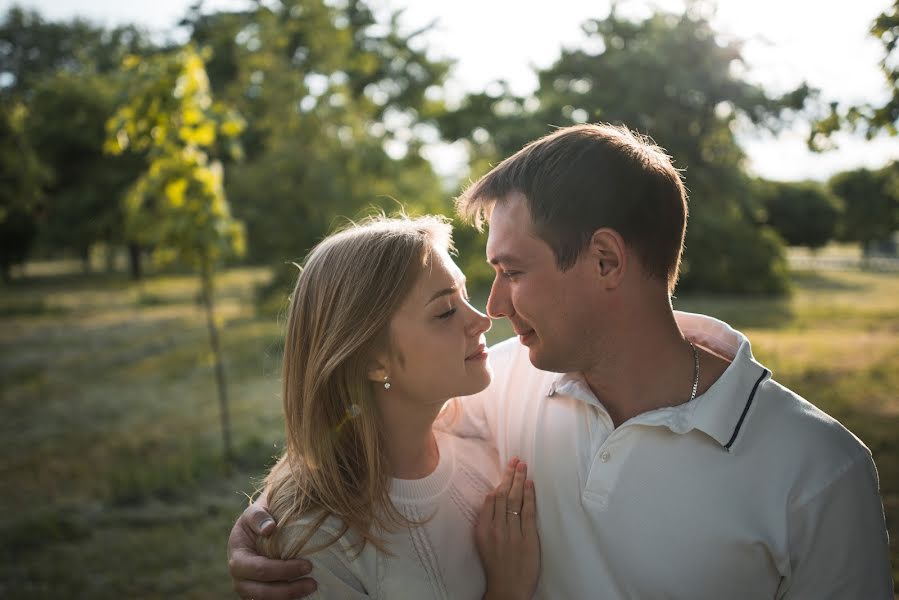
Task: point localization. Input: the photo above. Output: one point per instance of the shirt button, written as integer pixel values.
(605, 456)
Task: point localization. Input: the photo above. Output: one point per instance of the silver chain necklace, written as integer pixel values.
(695, 369)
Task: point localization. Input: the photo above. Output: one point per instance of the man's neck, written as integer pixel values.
(647, 365)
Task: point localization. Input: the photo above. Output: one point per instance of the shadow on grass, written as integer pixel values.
(33, 531)
(176, 474)
(740, 312)
(29, 307)
(820, 281)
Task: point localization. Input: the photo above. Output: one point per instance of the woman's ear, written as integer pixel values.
(377, 371)
(609, 254)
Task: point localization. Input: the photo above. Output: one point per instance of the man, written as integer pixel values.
(667, 461)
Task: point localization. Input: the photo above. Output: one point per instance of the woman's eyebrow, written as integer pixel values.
(447, 291)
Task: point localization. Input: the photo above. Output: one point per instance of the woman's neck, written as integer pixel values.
(410, 443)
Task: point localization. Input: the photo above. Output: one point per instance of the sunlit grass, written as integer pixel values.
(110, 448)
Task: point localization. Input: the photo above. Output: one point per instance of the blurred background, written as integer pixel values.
(163, 163)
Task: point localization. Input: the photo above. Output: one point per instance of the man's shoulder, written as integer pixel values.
(799, 434)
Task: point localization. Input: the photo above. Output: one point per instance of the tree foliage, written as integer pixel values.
(32, 48)
(671, 77)
(870, 119)
(804, 213)
(22, 176)
(326, 91)
(871, 198)
(178, 205)
(67, 128)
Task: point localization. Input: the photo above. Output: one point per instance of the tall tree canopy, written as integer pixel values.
(671, 77)
(337, 108)
(22, 176)
(804, 213)
(871, 198)
(868, 118)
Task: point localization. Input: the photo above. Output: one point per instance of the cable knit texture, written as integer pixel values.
(437, 559)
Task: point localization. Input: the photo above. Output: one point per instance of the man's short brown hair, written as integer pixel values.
(582, 178)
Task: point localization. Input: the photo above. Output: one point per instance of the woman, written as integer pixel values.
(380, 336)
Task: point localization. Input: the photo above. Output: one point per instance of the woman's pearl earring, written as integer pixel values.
(386, 383)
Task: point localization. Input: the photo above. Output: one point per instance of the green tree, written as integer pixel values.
(178, 205)
(326, 92)
(870, 119)
(21, 178)
(84, 198)
(804, 213)
(871, 199)
(32, 48)
(63, 72)
(671, 77)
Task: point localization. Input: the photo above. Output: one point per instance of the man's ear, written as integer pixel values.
(609, 254)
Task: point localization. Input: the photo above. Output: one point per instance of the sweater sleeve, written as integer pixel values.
(335, 577)
(338, 572)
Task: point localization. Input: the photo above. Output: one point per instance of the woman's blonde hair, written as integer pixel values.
(335, 463)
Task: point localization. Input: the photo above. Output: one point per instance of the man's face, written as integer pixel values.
(549, 309)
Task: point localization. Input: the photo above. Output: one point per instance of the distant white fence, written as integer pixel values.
(881, 264)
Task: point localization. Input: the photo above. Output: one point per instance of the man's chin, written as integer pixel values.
(539, 358)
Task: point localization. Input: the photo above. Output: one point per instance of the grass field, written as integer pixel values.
(113, 485)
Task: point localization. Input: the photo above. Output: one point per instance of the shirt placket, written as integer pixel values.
(605, 468)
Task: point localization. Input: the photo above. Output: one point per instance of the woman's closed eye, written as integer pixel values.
(447, 314)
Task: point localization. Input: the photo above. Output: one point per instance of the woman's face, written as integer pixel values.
(438, 350)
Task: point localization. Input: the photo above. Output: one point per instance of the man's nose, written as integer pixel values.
(498, 304)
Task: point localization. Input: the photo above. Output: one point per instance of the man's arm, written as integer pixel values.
(838, 540)
(255, 576)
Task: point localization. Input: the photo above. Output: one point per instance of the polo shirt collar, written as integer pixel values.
(720, 411)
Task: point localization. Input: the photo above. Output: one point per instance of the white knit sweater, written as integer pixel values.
(436, 560)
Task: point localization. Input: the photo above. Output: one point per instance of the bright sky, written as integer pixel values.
(823, 42)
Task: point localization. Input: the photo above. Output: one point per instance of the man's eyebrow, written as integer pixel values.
(447, 291)
(501, 258)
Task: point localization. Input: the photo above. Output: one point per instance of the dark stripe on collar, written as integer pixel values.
(765, 373)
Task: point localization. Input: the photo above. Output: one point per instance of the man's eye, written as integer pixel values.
(447, 314)
(511, 274)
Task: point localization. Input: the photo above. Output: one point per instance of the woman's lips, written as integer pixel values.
(479, 353)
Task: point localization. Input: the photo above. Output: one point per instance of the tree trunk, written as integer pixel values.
(207, 284)
(85, 254)
(134, 262)
(110, 257)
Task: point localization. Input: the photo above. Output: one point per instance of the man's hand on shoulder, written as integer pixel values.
(255, 576)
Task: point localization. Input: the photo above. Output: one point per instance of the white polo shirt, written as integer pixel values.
(748, 491)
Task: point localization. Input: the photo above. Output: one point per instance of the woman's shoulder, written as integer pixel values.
(307, 534)
(342, 566)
